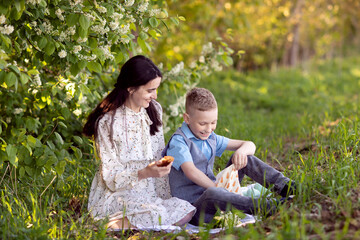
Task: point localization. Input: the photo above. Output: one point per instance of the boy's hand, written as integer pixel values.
(239, 159)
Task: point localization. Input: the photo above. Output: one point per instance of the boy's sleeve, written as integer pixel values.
(179, 150)
(221, 144)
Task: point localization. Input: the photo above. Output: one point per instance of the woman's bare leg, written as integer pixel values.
(122, 223)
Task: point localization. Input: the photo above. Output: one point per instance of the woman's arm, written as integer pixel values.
(152, 170)
(197, 176)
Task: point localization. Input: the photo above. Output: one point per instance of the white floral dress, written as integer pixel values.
(116, 191)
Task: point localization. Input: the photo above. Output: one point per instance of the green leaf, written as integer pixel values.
(94, 67)
(175, 20)
(78, 140)
(60, 167)
(15, 69)
(33, 72)
(41, 161)
(31, 141)
(143, 35)
(74, 69)
(82, 32)
(6, 40)
(59, 138)
(78, 153)
(153, 22)
(84, 22)
(82, 64)
(72, 19)
(24, 78)
(11, 151)
(66, 113)
(21, 172)
(42, 42)
(182, 18)
(50, 48)
(143, 45)
(92, 43)
(119, 58)
(30, 171)
(62, 124)
(50, 144)
(10, 79)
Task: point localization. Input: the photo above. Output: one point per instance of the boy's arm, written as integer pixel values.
(197, 176)
(242, 150)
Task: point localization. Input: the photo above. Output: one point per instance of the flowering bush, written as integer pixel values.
(58, 59)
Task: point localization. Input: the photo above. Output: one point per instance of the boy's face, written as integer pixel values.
(201, 123)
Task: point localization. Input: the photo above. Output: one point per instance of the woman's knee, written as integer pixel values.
(214, 192)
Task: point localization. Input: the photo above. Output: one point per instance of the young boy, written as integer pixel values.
(194, 146)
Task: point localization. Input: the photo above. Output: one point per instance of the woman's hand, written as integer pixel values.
(153, 170)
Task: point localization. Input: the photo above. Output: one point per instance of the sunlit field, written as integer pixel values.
(304, 122)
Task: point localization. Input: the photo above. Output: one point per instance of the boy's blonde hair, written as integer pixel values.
(200, 99)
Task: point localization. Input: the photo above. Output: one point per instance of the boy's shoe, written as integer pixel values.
(288, 189)
(285, 199)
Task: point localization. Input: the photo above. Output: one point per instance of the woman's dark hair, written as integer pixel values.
(137, 71)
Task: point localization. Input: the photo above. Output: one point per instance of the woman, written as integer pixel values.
(129, 187)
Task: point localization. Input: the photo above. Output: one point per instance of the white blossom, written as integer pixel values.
(83, 100)
(106, 51)
(114, 25)
(129, 3)
(100, 29)
(143, 6)
(8, 120)
(207, 48)
(202, 59)
(124, 29)
(177, 69)
(125, 40)
(102, 9)
(81, 40)
(72, 30)
(63, 36)
(7, 29)
(62, 54)
(47, 27)
(117, 16)
(2, 19)
(77, 49)
(58, 13)
(33, 24)
(33, 2)
(215, 65)
(18, 111)
(77, 112)
(154, 12)
(75, 2)
(37, 80)
(38, 31)
(62, 104)
(34, 91)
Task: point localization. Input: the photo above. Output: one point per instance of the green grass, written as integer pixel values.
(304, 122)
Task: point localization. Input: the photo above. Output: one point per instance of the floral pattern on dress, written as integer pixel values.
(116, 191)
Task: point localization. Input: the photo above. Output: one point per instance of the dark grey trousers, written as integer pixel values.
(219, 198)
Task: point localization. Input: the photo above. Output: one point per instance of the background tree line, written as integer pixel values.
(266, 33)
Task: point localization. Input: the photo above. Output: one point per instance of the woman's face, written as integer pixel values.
(142, 96)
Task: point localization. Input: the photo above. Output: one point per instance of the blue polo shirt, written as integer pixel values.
(180, 151)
